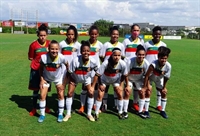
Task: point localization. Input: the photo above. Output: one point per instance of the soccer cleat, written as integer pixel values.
(96, 117)
(163, 114)
(90, 118)
(81, 110)
(60, 118)
(66, 118)
(141, 114)
(125, 115)
(159, 108)
(47, 110)
(135, 106)
(121, 116)
(32, 112)
(41, 118)
(147, 114)
(104, 108)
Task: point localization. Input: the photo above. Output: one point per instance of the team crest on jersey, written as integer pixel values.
(74, 50)
(97, 50)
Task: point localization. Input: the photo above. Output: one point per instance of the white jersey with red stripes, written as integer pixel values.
(137, 71)
(130, 46)
(110, 74)
(152, 50)
(160, 72)
(108, 47)
(70, 51)
(81, 72)
(52, 69)
(95, 50)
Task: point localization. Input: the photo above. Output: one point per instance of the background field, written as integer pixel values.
(15, 99)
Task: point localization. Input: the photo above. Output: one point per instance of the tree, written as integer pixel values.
(103, 26)
(197, 30)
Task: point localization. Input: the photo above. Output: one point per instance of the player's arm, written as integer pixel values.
(31, 52)
(41, 69)
(146, 77)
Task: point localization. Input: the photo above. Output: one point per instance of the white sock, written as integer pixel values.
(69, 105)
(105, 98)
(158, 98)
(115, 99)
(83, 97)
(90, 102)
(42, 107)
(147, 102)
(135, 96)
(125, 105)
(120, 106)
(141, 104)
(163, 103)
(98, 105)
(61, 104)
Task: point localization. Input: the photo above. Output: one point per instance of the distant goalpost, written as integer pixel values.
(21, 17)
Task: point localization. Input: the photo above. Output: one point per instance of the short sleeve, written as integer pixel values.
(31, 51)
(168, 71)
(102, 68)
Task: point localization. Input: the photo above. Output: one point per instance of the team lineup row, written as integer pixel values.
(127, 65)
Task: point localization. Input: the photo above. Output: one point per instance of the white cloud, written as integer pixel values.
(162, 12)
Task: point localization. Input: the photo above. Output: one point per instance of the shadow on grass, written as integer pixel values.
(25, 102)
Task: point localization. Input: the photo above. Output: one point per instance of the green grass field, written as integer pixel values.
(183, 107)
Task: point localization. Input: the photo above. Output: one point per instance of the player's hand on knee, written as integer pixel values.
(164, 91)
(102, 88)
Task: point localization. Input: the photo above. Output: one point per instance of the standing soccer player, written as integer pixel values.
(51, 71)
(151, 48)
(36, 49)
(107, 51)
(130, 45)
(80, 70)
(95, 49)
(112, 71)
(159, 72)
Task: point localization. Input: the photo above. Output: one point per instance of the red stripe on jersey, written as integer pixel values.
(92, 53)
(50, 69)
(66, 52)
(108, 53)
(80, 72)
(156, 73)
(131, 49)
(152, 52)
(110, 74)
(135, 72)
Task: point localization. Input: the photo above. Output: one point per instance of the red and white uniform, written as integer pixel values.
(35, 52)
(70, 51)
(80, 72)
(111, 75)
(95, 50)
(152, 50)
(137, 72)
(130, 46)
(159, 73)
(53, 69)
(107, 49)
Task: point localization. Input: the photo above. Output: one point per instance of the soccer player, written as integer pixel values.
(159, 72)
(70, 47)
(36, 49)
(81, 69)
(137, 67)
(107, 51)
(95, 49)
(112, 71)
(151, 48)
(130, 45)
(51, 71)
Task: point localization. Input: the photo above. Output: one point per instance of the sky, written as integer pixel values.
(159, 12)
